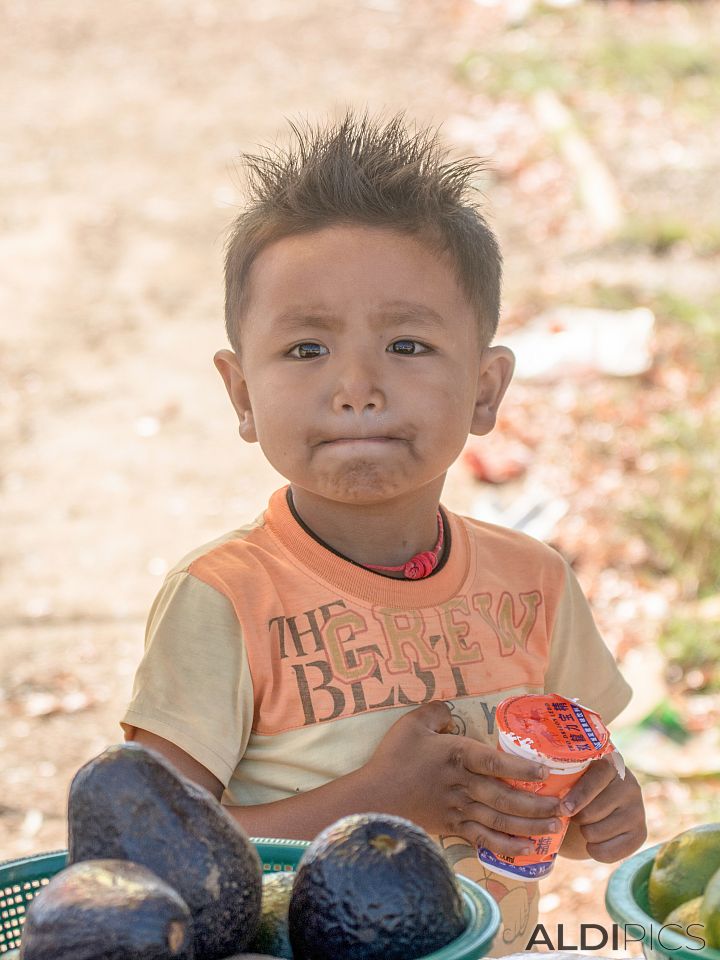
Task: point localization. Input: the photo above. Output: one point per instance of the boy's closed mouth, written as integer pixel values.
(338, 440)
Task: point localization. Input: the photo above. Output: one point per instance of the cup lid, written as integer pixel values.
(554, 727)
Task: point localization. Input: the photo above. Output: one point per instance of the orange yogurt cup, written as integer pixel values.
(566, 738)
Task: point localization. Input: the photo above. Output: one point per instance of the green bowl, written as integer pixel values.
(626, 900)
(20, 880)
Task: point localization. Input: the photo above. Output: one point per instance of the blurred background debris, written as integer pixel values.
(566, 342)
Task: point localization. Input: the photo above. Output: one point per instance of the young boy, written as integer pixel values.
(346, 651)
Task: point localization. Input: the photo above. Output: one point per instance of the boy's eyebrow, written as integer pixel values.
(398, 311)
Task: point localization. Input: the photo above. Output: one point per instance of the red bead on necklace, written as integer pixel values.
(419, 566)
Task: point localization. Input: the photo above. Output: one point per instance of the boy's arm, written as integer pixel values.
(300, 817)
(450, 785)
(610, 817)
(182, 761)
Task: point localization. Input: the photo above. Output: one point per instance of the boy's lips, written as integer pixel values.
(376, 439)
(325, 439)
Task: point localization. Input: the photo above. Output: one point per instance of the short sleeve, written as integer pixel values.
(581, 666)
(193, 686)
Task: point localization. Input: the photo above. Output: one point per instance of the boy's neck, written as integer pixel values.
(387, 533)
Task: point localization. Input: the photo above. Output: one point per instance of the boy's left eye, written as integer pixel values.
(407, 347)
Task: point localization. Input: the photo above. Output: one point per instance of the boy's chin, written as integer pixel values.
(359, 488)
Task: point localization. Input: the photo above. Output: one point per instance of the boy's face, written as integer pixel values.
(361, 370)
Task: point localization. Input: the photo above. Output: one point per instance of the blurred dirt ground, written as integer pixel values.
(121, 126)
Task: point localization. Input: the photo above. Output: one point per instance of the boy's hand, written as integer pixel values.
(609, 812)
(450, 784)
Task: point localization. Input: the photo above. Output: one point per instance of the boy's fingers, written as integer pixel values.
(606, 829)
(505, 799)
(617, 810)
(484, 760)
(610, 851)
(596, 778)
(499, 822)
(478, 835)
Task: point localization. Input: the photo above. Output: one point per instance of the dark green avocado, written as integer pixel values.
(373, 887)
(130, 803)
(107, 910)
(272, 936)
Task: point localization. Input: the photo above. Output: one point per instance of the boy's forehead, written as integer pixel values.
(312, 273)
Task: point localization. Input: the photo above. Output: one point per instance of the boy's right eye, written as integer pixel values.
(306, 351)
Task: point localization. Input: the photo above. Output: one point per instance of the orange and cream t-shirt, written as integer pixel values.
(279, 665)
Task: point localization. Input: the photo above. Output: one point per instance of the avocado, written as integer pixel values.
(130, 803)
(373, 887)
(271, 936)
(107, 910)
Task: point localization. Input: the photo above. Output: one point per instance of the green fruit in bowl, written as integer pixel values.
(272, 936)
(685, 915)
(682, 868)
(710, 911)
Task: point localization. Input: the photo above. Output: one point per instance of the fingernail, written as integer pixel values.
(568, 806)
(526, 850)
(554, 826)
(541, 772)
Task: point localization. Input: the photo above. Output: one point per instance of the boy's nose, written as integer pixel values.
(357, 388)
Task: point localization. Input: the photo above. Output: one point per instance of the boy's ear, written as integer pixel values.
(496, 370)
(230, 370)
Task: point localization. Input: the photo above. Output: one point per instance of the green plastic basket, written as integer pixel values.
(20, 881)
(626, 900)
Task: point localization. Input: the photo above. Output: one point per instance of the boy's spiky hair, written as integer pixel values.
(364, 171)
